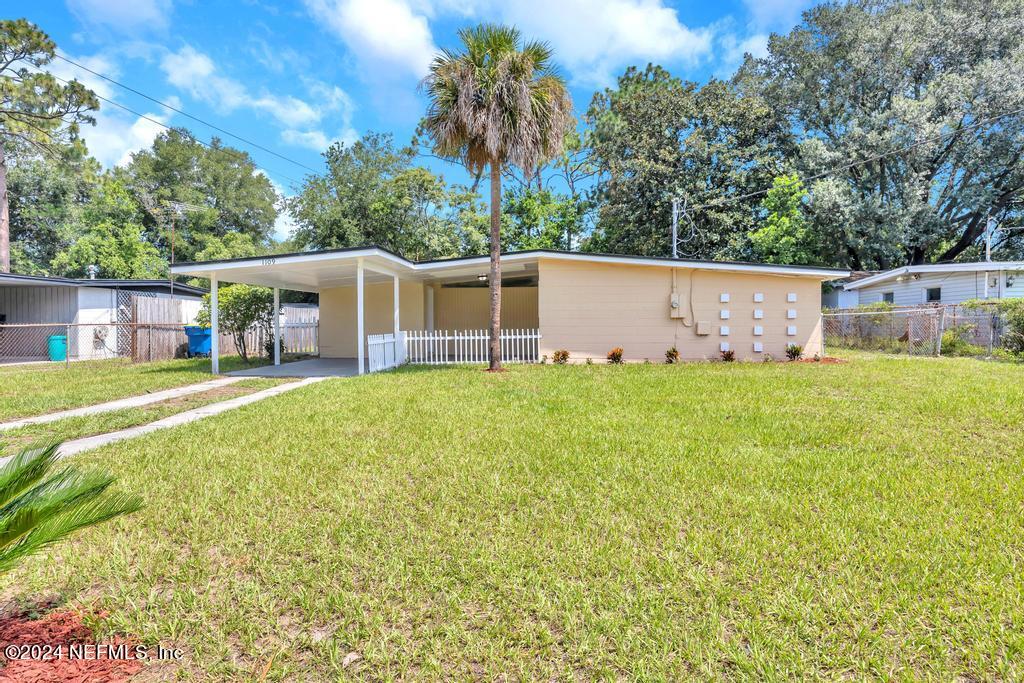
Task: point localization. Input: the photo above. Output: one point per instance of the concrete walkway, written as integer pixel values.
(120, 404)
(89, 442)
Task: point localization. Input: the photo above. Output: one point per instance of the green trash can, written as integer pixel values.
(57, 345)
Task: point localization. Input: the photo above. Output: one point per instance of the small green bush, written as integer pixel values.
(955, 341)
(560, 357)
(794, 351)
(615, 356)
(672, 355)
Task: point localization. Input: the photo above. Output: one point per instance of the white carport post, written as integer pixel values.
(360, 345)
(277, 326)
(397, 326)
(214, 327)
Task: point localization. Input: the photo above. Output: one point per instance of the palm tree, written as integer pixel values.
(498, 102)
(40, 506)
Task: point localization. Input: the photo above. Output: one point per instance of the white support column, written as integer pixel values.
(397, 325)
(214, 327)
(430, 308)
(361, 344)
(277, 326)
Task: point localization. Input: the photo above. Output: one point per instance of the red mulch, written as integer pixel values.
(60, 627)
(827, 360)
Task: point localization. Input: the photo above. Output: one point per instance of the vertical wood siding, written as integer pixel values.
(39, 304)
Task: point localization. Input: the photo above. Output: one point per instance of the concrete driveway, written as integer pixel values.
(315, 367)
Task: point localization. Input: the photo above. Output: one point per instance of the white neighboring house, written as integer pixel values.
(939, 283)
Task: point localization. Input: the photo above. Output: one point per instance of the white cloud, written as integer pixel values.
(593, 38)
(383, 34)
(195, 73)
(123, 15)
(733, 49)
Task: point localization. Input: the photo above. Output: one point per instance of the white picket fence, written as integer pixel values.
(447, 347)
(384, 351)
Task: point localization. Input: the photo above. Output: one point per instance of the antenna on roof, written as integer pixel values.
(676, 210)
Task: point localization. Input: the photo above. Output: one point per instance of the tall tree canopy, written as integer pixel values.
(37, 111)
(231, 194)
(655, 138)
(372, 193)
(943, 81)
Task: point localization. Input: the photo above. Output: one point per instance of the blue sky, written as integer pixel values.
(294, 76)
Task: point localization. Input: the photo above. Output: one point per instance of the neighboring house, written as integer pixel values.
(584, 303)
(34, 307)
(940, 283)
(834, 294)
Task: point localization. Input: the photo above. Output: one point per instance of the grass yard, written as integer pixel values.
(13, 440)
(27, 390)
(757, 521)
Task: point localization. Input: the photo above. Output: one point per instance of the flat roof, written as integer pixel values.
(312, 270)
(975, 267)
(109, 283)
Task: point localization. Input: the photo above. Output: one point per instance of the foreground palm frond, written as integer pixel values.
(40, 505)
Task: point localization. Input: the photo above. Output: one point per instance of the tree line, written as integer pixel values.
(875, 133)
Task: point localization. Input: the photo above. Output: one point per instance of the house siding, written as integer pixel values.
(338, 337)
(38, 304)
(590, 308)
(469, 308)
(956, 287)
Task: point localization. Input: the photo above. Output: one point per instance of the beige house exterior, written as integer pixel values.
(586, 304)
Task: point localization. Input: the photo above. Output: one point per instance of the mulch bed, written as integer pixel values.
(60, 627)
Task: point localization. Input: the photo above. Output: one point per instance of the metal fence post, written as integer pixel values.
(67, 346)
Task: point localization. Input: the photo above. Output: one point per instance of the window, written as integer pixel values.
(933, 295)
(888, 297)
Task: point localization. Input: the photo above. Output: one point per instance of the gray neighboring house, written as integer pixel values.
(50, 304)
(939, 283)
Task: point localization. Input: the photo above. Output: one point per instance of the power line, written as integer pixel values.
(845, 167)
(186, 114)
(225, 150)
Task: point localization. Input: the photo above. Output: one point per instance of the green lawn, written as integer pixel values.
(36, 389)
(13, 440)
(710, 521)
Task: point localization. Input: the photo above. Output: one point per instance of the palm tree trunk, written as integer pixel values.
(495, 279)
(5, 216)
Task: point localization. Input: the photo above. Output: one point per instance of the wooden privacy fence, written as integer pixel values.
(161, 341)
(444, 347)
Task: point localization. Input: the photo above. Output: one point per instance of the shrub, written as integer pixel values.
(956, 341)
(615, 356)
(672, 355)
(560, 357)
(767, 358)
(794, 351)
(590, 361)
(728, 356)
(41, 503)
(242, 307)
(544, 359)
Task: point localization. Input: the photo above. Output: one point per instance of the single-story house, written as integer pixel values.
(939, 283)
(586, 304)
(34, 307)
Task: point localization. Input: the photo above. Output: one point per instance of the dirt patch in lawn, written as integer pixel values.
(59, 647)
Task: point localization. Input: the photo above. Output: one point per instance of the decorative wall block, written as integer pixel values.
(758, 347)
(791, 297)
(758, 330)
(758, 297)
(724, 315)
(758, 314)
(791, 330)
(724, 297)
(791, 314)
(724, 330)
(724, 346)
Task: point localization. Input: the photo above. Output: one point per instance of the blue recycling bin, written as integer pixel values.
(198, 340)
(57, 346)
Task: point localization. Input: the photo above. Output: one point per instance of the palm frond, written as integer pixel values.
(43, 506)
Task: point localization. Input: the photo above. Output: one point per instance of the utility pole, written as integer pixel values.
(177, 210)
(675, 228)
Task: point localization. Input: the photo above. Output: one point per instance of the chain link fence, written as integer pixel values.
(923, 331)
(141, 342)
